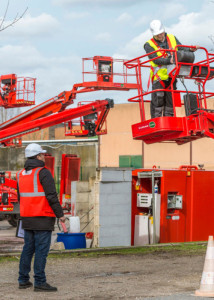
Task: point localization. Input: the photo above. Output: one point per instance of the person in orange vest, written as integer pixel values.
(161, 102)
(39, 207)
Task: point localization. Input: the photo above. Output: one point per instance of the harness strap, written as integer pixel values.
(158, 77)
(169, 42)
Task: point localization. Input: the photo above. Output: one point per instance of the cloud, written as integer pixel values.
(43, 25)
(54, 74)
(189, 29)
(77, 15)
(145, 20)
(105, 37)
(134, 47)
(125, 17)
(96, 2)
(172, 10)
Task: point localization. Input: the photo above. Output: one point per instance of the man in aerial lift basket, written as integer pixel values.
(161, 102)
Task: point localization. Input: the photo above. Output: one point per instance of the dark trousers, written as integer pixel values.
(161, 103)
(38, 242)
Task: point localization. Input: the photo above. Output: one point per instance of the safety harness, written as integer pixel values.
(155, 70)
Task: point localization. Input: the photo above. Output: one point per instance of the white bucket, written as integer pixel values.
(88, 243)
(74, 224)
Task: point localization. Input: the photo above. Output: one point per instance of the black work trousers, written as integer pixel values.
(161, 103)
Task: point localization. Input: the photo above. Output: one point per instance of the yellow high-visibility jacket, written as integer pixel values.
(159, 72)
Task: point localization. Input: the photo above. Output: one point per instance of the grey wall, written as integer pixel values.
(13, 158)
(115, 207)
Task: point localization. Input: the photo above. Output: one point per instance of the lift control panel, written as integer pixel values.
(144, 200)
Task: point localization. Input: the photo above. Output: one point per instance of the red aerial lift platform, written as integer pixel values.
(104, 78)
(15, 92)
(199, 119)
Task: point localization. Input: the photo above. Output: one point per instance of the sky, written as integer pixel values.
(49, 42)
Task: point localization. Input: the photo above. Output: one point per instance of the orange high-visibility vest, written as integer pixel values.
(33, 202)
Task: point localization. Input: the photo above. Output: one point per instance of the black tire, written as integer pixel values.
(13, 220)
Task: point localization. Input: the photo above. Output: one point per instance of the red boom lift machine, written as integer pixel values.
(19, 92)
(174, 205)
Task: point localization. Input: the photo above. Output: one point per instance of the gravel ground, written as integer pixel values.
(161, 276)
(112, 277)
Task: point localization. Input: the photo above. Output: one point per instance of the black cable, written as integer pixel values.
(188, 98)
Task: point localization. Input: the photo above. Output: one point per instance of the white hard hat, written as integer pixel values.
(156, 27)
(33, 149)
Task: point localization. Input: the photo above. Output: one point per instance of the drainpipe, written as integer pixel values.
(190, 159)
(153, 208)
(143, 154)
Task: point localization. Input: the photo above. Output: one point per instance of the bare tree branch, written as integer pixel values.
(15, 20)
(5, 14)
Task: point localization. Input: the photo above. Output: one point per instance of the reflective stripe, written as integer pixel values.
(35, 186)
(35, 181)
(24, 172)
(32, 194)
(18, 176)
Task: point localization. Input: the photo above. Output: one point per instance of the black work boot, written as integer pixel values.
(44, 288)
(25, 285)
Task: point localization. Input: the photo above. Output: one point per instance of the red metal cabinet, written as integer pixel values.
(172, 221)
(194, 220)
(200, 220)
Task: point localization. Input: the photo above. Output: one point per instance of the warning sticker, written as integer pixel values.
(175, 217)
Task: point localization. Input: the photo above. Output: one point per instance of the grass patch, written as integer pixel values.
(4, 259)
(181, 249)
(184, 249)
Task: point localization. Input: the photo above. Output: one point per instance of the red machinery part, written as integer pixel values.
(8, 193)
(70, 171)
(199, 120)
(17, 91)
(89, 125)
(101, 68)
(49, 162)
(193, 221)
(15, 131)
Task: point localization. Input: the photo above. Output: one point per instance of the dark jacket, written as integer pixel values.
(48, 184)
(163, 45)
